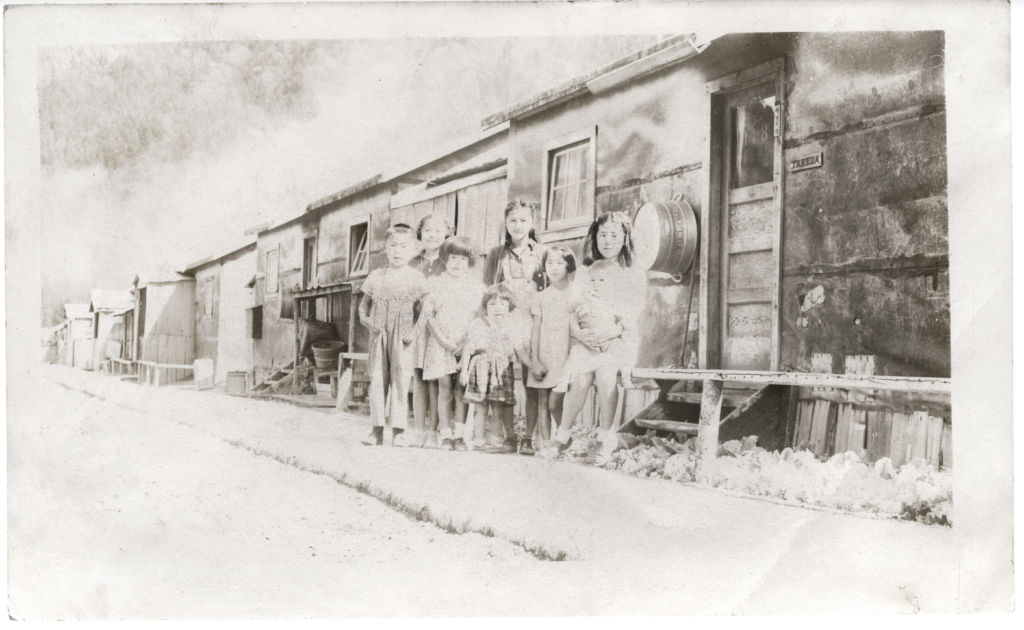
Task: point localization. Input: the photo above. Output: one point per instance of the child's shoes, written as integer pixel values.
(376, 437)
(431, 440)
(447, 445)
(458, 444)
(556, 449)
(510, 445)
(526, 447)
(417, 439)
(398, 438)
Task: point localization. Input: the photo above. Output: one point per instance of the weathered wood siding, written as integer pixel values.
(234, 347)
(170, 326)
(870, 225)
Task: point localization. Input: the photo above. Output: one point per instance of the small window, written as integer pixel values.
(752, 138)
(271, 270)
(256, 322)
(359, 246)
(308, 261)
(569, 180)
(209, 296)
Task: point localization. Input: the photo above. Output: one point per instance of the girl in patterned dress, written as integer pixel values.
(453, 302)
(550, 342)
(486, 366)
(433, 230)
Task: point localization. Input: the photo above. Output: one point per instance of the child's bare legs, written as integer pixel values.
(476, 414)
(444, 407)
(430, 428)
(533, 412)
(543, 419)
(626, 376)
(573, 403)
(420, 402)
(549, 406)
(607, 394)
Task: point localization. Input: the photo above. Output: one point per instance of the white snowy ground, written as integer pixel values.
(143, 503)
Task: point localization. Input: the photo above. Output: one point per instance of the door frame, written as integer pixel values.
(709, 338)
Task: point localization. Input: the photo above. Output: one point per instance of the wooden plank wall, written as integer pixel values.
(827, 427)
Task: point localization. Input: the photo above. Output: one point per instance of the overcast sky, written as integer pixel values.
(157, 155)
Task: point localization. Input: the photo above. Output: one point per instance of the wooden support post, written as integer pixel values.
(707, 434)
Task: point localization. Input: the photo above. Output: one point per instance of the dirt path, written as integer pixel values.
(113, 515)
(223, 502)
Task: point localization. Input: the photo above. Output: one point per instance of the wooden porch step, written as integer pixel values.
(271, 382)
(730, 398)
(668, 425)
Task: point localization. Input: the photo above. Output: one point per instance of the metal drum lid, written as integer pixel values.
(665, 236)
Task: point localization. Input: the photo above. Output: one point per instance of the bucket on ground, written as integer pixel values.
(325, 353)
(236, 383)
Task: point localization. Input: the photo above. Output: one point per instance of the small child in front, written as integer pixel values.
(595, 316)
(386, 310)
(486, 366)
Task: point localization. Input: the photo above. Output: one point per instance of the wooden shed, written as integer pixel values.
(815, 168)
(113, 321)
(223, 309)
(164, 326)
(80, 336)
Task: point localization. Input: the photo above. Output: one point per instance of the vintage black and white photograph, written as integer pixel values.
(319, 311)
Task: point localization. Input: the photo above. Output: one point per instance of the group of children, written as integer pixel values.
(453, 336)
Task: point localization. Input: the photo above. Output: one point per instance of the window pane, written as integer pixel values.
(572, 202)
(584, 163)
(558, 171)
(753, 138)
(557, 201)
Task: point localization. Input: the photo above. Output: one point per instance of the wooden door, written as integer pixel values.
(742, 232)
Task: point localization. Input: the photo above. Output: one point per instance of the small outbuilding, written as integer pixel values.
(223, 309)
(113, 321)
(80, 336)
(164, 326)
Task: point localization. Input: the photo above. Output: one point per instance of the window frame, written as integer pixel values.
(551, 149)
(208, 297)
(276, 251)
(311, 271)
(255, 322)
(353, 250)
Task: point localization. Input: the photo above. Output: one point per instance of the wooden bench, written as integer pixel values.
(706, 429)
